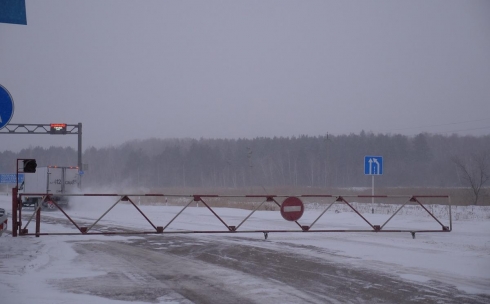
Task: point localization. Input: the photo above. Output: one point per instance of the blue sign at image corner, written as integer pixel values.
(373, 165)
(6, 107)
(13, 11)
(10, 178)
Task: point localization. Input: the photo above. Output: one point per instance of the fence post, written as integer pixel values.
(14, 211)
(38, 222)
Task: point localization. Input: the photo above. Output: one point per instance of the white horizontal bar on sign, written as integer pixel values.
(292, 208)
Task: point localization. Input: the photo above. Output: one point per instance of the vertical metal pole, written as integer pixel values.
(19, 216)
(372, 189)
(17, 174)
(450, 215)
(38, 221)
(14, 212)
(80, 164)
(326, 162)
(14, 200)
(63, 176)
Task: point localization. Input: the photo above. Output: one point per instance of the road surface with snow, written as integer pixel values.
(230, 268)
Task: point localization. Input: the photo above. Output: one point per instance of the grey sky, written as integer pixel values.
(229, 69)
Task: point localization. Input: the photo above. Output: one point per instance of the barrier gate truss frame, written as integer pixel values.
(18, 229)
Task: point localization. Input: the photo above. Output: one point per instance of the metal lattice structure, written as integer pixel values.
(47, 129)
(416, 200)
(38, 129)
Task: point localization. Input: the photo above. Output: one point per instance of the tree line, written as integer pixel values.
(424, 160)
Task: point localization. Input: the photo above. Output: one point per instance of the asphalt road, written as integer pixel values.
(215, 269)
(209, 269)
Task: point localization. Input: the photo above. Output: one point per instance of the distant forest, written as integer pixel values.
(424, 160)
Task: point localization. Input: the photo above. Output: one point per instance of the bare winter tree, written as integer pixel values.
(475, 172)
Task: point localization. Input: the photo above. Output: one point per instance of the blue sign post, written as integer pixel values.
(6, 107)
(373, 165)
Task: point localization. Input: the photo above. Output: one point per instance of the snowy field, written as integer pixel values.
(461, 258)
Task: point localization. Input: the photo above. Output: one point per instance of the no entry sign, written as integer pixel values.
(292, 209)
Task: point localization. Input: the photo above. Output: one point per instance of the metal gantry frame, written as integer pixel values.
(18, 229)
(46, 129)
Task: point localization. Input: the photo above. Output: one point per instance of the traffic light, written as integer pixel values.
(30, 166)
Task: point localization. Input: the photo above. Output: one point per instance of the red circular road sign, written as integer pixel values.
(292, 209)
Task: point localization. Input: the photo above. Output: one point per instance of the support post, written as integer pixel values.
(38, 222)
(14, 212)
(372, 189)
(80, 164)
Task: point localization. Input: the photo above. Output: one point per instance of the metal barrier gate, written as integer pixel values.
(345, 201)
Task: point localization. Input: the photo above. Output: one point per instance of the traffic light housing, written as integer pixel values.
(30, 166)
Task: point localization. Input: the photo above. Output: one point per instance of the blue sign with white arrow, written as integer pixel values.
(373, 165)
(6, 107)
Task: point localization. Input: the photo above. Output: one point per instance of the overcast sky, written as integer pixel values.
(229, 69)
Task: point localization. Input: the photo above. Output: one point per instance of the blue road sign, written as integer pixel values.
(81, 172)
(373, 165)
(13, 11)
(6, 107)
(10, 178)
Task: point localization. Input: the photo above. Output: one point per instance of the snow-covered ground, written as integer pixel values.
(460, 258)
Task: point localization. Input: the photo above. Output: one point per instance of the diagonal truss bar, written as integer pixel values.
(324, 211)
(395, 213)
(34, 213)
(355, 210)
(246, 218)
(67, 216)
(416, 200)
(178, 214)
(140, 211)
(198, 198)
(124, 198)
(102, 216)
